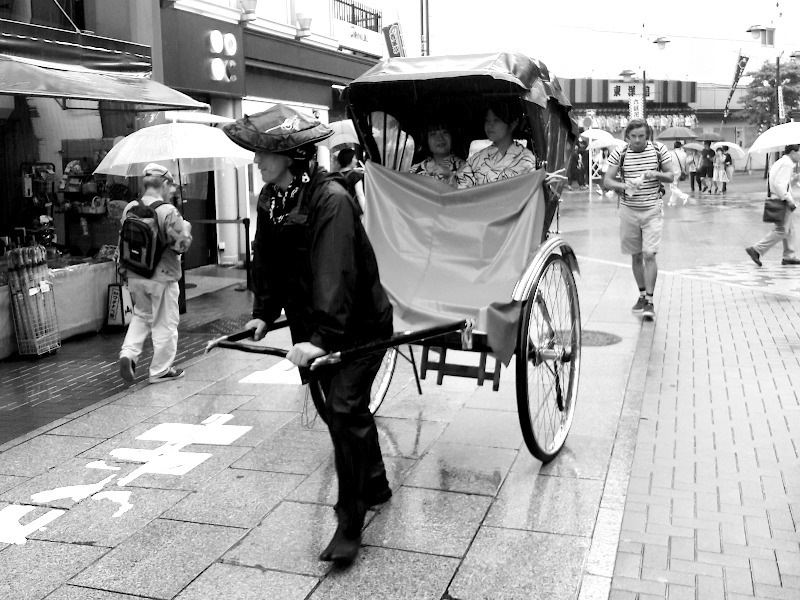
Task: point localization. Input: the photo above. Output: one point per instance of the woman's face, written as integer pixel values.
(496, 129)
(273, 167)
(440, 141)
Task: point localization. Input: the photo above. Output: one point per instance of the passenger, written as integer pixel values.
(504, 158)
(441, 162)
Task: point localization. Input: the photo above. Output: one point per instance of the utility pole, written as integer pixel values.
(424, 25)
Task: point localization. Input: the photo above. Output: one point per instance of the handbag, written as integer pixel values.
(774, 210)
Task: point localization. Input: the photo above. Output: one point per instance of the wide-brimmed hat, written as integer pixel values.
(280, 129)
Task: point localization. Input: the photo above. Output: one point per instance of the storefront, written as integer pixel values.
(64, 99)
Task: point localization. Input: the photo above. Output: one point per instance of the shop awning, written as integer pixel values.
(26, 77)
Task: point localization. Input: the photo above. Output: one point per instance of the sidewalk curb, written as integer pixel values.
(605, 539)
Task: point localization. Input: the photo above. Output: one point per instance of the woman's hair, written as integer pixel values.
(505, 111)
(345, 157)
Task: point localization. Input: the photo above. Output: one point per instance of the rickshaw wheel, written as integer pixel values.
(548, 359)
(380, 386)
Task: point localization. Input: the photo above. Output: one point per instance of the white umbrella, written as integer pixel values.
(605, 143)
(735, 150)
(595, 134)
(181, 147)
(344, 132)
(776, 138)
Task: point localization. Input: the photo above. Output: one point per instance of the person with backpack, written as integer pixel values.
(678, 156)
(152, 238)
(643, 166)
(313, 260)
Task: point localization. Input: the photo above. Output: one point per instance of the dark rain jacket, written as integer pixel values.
(319, 266)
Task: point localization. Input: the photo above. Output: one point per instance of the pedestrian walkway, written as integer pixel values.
(713, 505)
(216, 487)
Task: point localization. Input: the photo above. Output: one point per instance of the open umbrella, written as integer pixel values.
(596, 134)
(181, 147)
(708, 136)
(776, 138)
(693, 146)
(344, 132)
(605, 143)
(676, 133)
(735, 150)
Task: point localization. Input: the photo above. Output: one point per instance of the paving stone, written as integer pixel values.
(111, 518)
(460, 468)
(289, 450)
(197, 408)
(41, 453)
(162, 395)
(432, 405)
(246, 583)
(547, 504)
(55, 564)
(389, 575)
(322, 487)
(407, 438)
(235, 497)
(290, 398)
(289, 539)
(107, 421)
(73, 592)
(510, 564)
(160, 560)
(429, 521)
(489, 428)
(583, 456)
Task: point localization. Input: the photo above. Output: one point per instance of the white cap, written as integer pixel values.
(157, 170)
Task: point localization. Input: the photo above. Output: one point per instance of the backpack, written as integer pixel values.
(661, 189)
(140, 243)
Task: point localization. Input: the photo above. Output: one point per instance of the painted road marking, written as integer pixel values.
(167, 459)
(283, 373)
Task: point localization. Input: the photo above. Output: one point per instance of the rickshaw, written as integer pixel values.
(474, 269)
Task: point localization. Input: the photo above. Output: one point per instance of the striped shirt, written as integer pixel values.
(652, 158)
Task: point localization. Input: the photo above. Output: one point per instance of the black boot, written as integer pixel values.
(346, 541)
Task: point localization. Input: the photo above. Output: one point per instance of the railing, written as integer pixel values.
(358, 14)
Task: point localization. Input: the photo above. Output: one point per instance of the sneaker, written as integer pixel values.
(791, 261)
(639, 306)
(751, 252)
(649, 310)
(127, 369)
(170, 375)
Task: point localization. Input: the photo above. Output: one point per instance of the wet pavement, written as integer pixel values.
(678, 479)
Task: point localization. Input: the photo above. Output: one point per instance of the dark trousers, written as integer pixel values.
(356, 450)
(695, 176)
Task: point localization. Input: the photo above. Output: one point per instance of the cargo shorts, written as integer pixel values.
(640, 230)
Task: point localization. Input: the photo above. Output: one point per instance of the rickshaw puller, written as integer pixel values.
(312, 258)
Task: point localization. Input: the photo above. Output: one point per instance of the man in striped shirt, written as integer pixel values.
(643, 166)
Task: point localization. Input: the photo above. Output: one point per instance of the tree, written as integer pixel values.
(760, 98)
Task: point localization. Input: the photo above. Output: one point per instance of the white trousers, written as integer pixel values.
(782, 232)
(155, 312)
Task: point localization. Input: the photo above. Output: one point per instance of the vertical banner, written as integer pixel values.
(635, 107)
(781, 106)
(394, 40)
(741, 63)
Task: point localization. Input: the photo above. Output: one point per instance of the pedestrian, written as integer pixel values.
(720, 176)
(155, 298)
(643, 166)
(728, 168)
(780, 184)
(692, 162)
(678, 156)
(349, 166)
(313, 260)
(706, 170)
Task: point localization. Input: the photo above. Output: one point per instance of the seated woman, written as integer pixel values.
(441, 162)
(504, 158)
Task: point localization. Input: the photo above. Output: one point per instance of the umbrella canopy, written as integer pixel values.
(708, 137)
(693, 146)
(777, 138)
(181, 147)
(344, 132)
(677, 133)
(735, 150)
(596, 134)
(605, 143)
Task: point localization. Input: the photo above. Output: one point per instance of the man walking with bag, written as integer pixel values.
(780, 185)
(150, 262)
(643, 167)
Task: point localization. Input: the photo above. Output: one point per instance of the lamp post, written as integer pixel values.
(661, 43)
